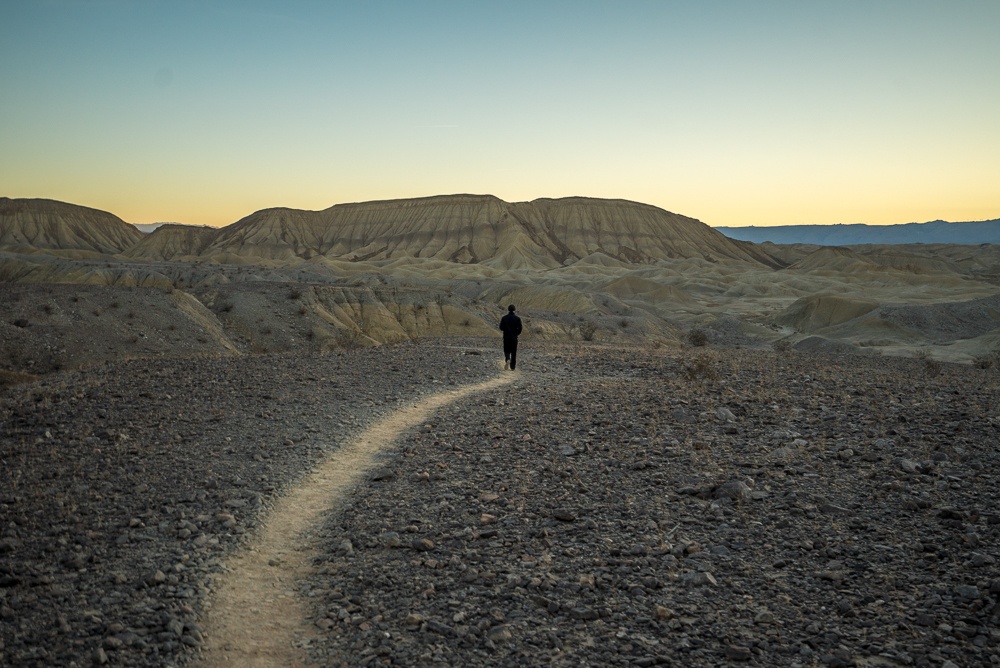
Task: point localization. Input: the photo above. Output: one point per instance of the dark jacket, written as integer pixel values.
(510, 325)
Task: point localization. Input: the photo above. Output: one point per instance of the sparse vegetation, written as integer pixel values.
(588, 330)
(987, 360)
(295, 293)
(699, 368)
(8, 378)
(931, 365)
(782, 345)
(697, 337)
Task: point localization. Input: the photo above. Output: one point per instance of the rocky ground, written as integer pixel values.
(633, 507)
(123, 487)
(613, 506)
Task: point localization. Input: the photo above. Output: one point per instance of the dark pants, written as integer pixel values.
(510, 350)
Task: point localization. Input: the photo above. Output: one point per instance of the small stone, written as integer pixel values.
(698, 579)
(391, 539)
(413, 619)
(486, 518)
(664, 613)
(738, 653)
(764, 617)
(100, 657)
(967, 592)
(422, 544)
(437, 627)
(176, 627)
(564, 515)
(500, 633)
(724, 414)
(737, 490)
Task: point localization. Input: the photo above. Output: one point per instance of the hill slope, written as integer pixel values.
(47, 225)
(463, 229)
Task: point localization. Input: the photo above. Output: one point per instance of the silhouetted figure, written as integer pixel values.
(510, 325)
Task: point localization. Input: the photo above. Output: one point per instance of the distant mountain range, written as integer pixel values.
(935, 232)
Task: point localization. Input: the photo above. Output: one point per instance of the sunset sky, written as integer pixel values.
(735, 113)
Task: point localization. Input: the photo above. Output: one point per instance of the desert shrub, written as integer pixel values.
(303, 310)
(295, 293)
(984, 361)
(21, 322)
(588, 330)
(114, 305)
(697, 337)
(931, 365)
(48, 308)
(466, 323)
(699, 368)
(226, 307)
(782, 346)
(8, 378)
(623, 323)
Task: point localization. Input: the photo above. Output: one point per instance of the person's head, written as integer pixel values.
(510, 308)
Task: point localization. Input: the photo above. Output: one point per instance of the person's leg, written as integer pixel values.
(513, 354)
(506, 353)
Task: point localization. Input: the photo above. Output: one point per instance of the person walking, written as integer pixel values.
(510, 325)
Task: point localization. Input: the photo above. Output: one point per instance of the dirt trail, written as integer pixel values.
(257, 617)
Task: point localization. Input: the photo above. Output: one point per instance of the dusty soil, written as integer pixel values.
(611, 506)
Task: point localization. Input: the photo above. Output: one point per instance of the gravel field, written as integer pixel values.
(612, 506)
(636, 507)
(123, 487)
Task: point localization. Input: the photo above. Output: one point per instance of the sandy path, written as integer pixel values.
(257, 617)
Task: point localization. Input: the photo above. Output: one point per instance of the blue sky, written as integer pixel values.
(735, 113)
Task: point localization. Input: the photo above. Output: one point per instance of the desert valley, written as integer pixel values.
(713, 451)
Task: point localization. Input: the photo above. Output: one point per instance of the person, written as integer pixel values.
(510, 325)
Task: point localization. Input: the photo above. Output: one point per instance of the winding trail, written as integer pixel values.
(257, 617)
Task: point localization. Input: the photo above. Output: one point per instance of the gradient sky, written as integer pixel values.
(735, 113)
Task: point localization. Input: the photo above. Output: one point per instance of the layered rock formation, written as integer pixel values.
(31, 225)
(463, 229)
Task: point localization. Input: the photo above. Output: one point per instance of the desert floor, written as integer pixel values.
(606, 506)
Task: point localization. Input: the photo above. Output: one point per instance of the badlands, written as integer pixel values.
(290, 441)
